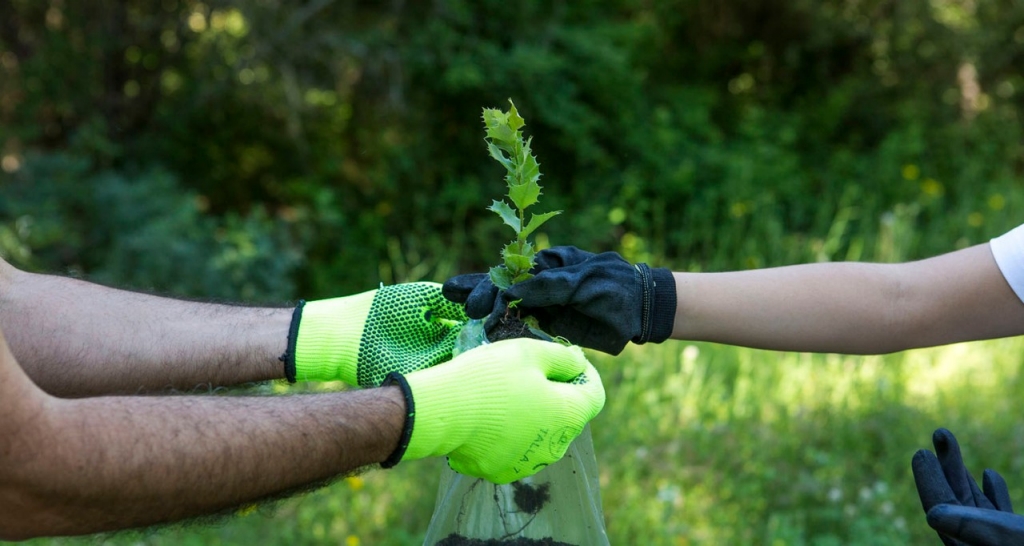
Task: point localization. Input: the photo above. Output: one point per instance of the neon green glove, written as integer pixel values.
(360, 339)
(501, 411)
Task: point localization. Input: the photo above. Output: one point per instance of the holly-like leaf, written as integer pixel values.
(515, 121)
(500, 157)
(525, 275)
(494, 117)
(515, 262)
(501, 134)
(530, 170)
(536, 220)
(507, 214)
(501, 277)
(529, 252)
(525, 194)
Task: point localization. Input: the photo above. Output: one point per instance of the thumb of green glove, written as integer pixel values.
(501, 411)
(360, 339)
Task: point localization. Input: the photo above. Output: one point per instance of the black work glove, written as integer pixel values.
(599, 301)
(961, 513)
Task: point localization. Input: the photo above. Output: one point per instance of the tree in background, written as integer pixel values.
(260, 149)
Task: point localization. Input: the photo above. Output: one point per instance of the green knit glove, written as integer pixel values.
(360, 339)
(501, 411)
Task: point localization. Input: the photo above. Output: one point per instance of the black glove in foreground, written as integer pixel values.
(957, 509)
(599, 301)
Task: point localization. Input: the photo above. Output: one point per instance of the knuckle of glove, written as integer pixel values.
(457, 287)
(559, 256)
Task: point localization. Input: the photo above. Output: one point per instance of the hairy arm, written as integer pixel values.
(75, 338)
(71, 467)
(858, 308)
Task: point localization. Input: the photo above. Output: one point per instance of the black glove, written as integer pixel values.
(961, 513)
(599, 301)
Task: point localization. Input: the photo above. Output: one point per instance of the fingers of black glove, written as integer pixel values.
(932, 487)
(996, 490)
(947, 449)
(559, 256)
(549, 288)
(492, 322)
(459, 287)
(482, 300)
(977, 526)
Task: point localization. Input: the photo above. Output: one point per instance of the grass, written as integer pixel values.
(709, 444)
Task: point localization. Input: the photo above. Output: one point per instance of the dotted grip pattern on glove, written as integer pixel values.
(407, 329)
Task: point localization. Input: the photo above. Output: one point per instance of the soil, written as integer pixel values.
(511, 327)
(531, 498)
(459, 540)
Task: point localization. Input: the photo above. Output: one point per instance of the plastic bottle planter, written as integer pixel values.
(560, 505)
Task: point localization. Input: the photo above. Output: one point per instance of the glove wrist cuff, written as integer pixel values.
(328, 336)
(395, 378)
(657, 305)
(663, 311)
(288, 358)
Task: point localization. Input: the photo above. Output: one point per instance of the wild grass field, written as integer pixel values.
(703, 444)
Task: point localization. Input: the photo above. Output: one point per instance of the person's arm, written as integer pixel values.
(82, 466)
(603, 302)
(75, 338)
(859, 308)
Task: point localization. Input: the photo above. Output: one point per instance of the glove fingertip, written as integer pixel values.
(458, 288)
(944, 442)
(996, 490)
(481, 300)
(942, 519)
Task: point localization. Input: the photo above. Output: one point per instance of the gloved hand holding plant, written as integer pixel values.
(360, 339)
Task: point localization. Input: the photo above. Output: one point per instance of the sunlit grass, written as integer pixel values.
(709, 444)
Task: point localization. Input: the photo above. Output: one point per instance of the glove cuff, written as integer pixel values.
(663, 313)
(395, 378)
(293, 335)
(328, 336)
(658, 303)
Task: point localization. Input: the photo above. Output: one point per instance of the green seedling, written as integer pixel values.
(507, 146)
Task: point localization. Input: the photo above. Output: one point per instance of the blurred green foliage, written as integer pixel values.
(343, 137)
(262, 150)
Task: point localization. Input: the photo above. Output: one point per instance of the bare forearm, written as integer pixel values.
(111, 463)
(856, 308)
(75, 338)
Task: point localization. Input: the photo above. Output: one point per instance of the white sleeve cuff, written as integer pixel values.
(1008, 250)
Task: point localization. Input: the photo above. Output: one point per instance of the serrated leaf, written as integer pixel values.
(501, 134)
(529, 252)
(526, 275)
(515, 262)
(530, 170)
(501, 277)
(515, 121)
(496, 153)
(524, 149)
(536, 220)
(494, 117)
(507, 214)
(525, 194)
